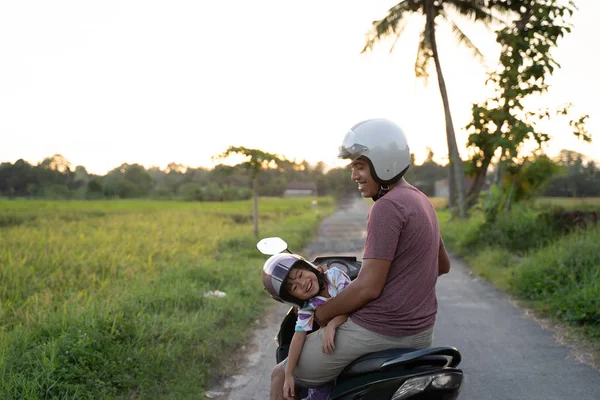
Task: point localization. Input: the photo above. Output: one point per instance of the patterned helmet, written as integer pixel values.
(275, 270)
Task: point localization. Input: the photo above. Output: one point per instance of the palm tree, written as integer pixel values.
(434, 10)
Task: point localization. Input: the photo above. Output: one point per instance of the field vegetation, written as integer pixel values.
(112, 299)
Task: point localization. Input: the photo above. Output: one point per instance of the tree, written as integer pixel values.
(18, 179)
(501, 125)
(255, 162)
(55, 170)
(533, 174)
(191, 191)
(128, 181)
(140, 180)
(56, 163)
(319, 168)
(339, 184)
(94, 189)
(579, 176)
(80, 175)
(434, 10)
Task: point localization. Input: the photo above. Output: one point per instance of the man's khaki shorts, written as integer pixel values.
(351, 341)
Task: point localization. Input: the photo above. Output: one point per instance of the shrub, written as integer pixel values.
(517, 230)
(581, 307)
(458, 234)
(568, 262)
(523, 229)
(566, 275)
(561, 221)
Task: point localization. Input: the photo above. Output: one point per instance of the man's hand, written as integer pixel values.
(328, 345)
(443, 260)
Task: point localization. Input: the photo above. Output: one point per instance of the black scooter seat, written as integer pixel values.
(399, 358)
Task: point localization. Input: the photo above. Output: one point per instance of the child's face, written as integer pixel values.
(302, 284)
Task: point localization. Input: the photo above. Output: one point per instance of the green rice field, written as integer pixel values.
(112, 299)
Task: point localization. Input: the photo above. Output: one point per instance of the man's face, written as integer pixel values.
(361, 174)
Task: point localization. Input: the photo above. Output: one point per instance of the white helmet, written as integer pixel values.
(383, 144)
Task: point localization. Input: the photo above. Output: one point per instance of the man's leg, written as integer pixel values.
(315, 368)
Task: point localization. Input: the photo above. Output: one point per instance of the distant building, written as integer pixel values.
(300, 189)
(441, 188)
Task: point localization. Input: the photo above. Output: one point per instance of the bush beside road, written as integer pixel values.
(546, 258)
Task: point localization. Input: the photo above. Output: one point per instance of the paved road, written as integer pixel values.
(506, 354)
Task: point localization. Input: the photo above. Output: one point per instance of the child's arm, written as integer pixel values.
(328, 345)
(337, 321)
(289, 386)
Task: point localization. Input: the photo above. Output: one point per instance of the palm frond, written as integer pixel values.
(424, 56)
(462, 38)
(480, 10)
(398, 34)
(391, 24)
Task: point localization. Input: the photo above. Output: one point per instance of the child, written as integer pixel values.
(309, 288)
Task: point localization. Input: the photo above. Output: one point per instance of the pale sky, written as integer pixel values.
(151, 82)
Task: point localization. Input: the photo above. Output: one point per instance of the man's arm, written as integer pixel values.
(443, 260)
(366, 287)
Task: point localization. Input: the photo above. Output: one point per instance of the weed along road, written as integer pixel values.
(507, 354)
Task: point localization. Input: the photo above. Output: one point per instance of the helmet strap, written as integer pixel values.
(383, 189)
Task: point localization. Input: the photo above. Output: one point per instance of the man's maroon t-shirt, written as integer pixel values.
(402, 227)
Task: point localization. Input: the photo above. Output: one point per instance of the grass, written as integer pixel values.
(107, 299)
(496, 265)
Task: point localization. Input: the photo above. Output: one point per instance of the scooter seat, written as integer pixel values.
(399, 358)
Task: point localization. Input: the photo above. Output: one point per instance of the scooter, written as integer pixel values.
(394, 374)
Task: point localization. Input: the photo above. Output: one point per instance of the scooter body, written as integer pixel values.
(395, 374)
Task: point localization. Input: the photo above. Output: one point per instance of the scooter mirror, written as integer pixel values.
(271, 245)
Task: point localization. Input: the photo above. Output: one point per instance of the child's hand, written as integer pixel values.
(328, 345)
(289, 388)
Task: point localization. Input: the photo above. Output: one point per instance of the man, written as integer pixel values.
(392, 303)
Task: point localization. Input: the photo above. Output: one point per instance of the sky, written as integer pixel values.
(153, 82)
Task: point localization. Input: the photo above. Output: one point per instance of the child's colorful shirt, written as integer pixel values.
(337, 280)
